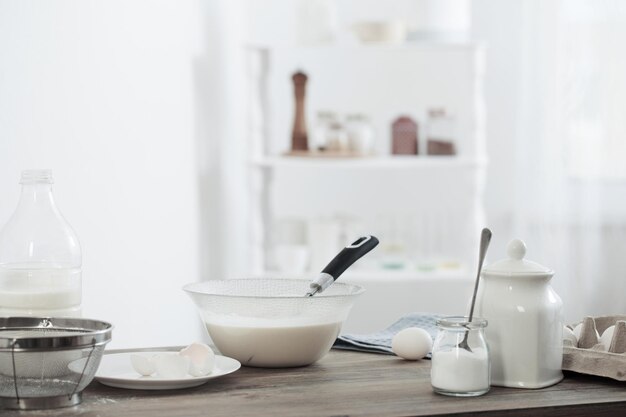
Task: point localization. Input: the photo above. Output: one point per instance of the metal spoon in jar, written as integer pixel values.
(344, 259)
(485, 238)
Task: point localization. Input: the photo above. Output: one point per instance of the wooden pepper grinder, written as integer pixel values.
(299, 141)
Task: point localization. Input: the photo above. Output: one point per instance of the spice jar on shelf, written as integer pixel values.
(336, 137)
(440, 133)
(459, 371)
(360, 134)
(404, 136)
(319, 137)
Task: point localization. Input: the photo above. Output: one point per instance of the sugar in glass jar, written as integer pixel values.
(459, 369)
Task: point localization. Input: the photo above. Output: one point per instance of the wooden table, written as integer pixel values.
(346, 384)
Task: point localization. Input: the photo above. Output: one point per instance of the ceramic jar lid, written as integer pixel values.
(516, 264)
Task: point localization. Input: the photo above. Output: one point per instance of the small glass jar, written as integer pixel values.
(440, 133)
(459, 371)
(320, 132)
(360, 134)
(336, 137)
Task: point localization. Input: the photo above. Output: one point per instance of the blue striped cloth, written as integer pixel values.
(380, 342)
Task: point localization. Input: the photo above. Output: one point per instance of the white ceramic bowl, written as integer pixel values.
(393, 31)
(268, 322)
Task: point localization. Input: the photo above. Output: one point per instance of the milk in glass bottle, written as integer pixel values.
(40, 256)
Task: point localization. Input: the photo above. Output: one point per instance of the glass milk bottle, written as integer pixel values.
(40, 256)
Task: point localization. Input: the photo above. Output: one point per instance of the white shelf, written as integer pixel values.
(374, 162)
(406, 46)
(435, 190)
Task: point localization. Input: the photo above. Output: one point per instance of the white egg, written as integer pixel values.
(607, 336)
(202, 359)
(412, 343)
(143, 364)
(568, 335)
(171, 365)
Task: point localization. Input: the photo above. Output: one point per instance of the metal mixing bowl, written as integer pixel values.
(269, 322)
(47, 362)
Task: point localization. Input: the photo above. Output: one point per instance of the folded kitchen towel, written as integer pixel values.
(380, 342)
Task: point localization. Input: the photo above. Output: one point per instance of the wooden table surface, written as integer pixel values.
(345, 384)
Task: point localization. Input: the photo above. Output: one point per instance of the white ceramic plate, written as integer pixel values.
(116, 371)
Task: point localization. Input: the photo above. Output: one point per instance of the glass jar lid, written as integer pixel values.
(515, 264)
(461, 323)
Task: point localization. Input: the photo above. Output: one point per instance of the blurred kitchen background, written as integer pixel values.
(168, 127)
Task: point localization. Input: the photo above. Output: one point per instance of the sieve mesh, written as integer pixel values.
(280, 301)
(48, 373)
(46, 358)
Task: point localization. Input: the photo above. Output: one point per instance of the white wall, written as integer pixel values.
(103, 93)
(499, 24)
(135, 106)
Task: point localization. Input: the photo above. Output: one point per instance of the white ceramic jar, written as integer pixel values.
(525, 321)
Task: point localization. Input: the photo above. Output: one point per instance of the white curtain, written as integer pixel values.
(570, 188)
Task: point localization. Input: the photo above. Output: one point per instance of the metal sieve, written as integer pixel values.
(47, 362)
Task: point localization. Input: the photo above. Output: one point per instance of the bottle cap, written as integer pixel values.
(30, 176)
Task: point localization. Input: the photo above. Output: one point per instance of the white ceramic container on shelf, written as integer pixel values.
(525, 321)
(392, 31)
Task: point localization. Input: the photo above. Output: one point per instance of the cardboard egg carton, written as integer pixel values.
(591, 356)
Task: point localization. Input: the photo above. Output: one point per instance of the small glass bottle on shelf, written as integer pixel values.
(360, 134)
(457, 370)
(440, 133)
(336, 138)
(321, 130)
(40, 256)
